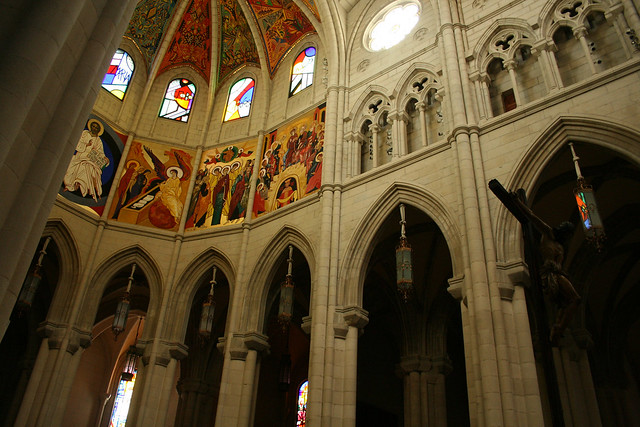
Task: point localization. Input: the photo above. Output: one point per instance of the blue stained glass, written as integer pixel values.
(118, 76)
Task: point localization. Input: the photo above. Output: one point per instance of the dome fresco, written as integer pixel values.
(218, 35)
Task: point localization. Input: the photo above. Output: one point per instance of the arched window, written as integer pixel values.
(302, 71)
(122, 402)
(119, 74)
(302, 404)
(178, 100)
(240, 97)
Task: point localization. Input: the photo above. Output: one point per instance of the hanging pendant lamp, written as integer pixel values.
(208, 309)
(31, 283)
(122, 310)
(285, 311)
(586, 200)
(130, 365)
(404, 261)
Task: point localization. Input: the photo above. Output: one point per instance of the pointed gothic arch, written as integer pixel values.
(353, 269)
(591, 129)
(186, 288)
(263, 273)
(110, 267)
(69, 260)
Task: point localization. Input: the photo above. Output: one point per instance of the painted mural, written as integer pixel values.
(191, 44)
(221, 191)
(91, 171)
(153, 186)
(291, 167)
(147, 25)
(237, 44)
(311, 4)
(281, 23)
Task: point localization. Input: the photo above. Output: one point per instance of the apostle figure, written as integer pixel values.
(85, 170)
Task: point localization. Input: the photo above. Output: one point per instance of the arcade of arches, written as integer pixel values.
(271, 142)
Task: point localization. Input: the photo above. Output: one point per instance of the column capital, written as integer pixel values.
(510, 64)
(456, 287)
(354, 316)
(374, 128)
(580, 31)
(414, 363)
(164, 351)
(422, 106)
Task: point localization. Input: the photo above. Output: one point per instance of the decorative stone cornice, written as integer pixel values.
(456, 287)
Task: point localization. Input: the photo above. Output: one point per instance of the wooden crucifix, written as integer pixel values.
(544, 260)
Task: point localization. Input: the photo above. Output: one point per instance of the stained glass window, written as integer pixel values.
(302, 404)
(122, 402)
(119, 74)
(240, 97)
(392, 27)
(302, 72)
(178, 100)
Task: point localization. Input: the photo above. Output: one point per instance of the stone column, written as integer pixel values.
(581, 34)
(424, 123)
(616, 17)
(399, 135)
(510, 65)
(256, 343)
(354, 319)
(482, 105)
(375, 129)
(151, 395)
(549, 71)
(46, 396)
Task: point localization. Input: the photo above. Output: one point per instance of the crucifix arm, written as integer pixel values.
(539, 224)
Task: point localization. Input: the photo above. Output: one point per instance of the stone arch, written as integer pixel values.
(59, 232)
(360, 113)
(407, 88)
(264, 270)
(594, 130)
(486, 49)
(551, 17)
(353, 269)
(187, 286)
(105, 272)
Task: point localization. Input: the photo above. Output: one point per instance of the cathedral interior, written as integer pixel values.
(278, 213)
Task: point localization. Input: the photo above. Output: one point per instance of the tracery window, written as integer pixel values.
(240, 98)
(122, 402)
(302, 71)
(391, 26)
(178, 100)
(119, 73)
(302, 404)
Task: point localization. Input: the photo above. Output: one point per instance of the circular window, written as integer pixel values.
(391, 25)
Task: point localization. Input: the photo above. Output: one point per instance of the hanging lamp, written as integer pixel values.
(31, 283)
(586, 200)
(404, 261)
(130, 364)
(208, 308)
(285, 311)
(122, 310)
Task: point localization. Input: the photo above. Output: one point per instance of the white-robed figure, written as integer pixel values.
(85, 170)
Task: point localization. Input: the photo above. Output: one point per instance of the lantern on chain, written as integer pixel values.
(285, 311)
(31, 283)
(586, 200)
(122, 310)
(133, 354)
(404, 263)
(208, 309)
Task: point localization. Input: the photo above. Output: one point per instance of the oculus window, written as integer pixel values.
(391, 26)
(178, 100)
(302, 71)
(240, 97)
(119, 74)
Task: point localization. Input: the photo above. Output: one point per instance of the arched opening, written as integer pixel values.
(287, 364)
(607, 49)
(99, 374)
(410, 355)
(366, 149)
(572, 64)
(21, 342)
(201, 371)
(500, 90)
(529, 76)
(598, 358)
(414, 126)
